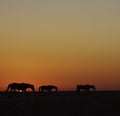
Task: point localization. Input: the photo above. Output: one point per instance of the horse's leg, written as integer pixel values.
(10, 89)
(9, 95)
(49, 91)
(78, 91)
(88, 89)
(24, 91)
(42, 90)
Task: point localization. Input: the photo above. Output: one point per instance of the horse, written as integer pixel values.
(85, 87)
(12, 87)
(48, 88)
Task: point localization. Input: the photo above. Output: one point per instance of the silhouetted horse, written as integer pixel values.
(19, 86)
(48, 88)
(85, 87)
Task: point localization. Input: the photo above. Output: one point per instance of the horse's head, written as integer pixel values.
(32, 87)
(56, 88)
(93, 87)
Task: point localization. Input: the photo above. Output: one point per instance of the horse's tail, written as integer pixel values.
(77, 88)
(9, 86)
(94, 88)
(41, 89)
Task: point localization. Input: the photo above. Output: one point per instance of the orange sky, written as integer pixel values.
(62, 43)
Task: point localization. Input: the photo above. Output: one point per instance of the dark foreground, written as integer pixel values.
(100, 103)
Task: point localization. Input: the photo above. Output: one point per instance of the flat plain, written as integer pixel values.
(64, 103)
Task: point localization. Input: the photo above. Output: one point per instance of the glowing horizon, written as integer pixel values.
(63, 43)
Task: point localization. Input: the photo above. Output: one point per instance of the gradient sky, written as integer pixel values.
(60, 42)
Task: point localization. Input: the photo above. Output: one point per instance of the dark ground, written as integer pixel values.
(100, 103)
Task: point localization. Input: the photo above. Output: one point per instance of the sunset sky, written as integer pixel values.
(60, 42)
